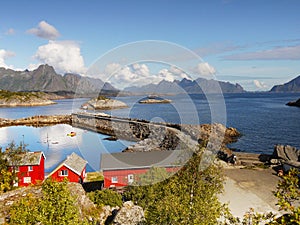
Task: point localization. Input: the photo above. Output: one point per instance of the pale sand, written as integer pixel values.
(250, 188)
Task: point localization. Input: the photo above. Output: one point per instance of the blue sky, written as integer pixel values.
(255, 43)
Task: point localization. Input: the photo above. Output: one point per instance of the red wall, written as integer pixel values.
(37, 175)
(72, 177)
(122, 176)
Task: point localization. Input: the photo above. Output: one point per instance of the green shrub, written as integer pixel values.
(106, 197)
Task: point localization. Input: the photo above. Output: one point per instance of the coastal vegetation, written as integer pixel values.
(8, 98)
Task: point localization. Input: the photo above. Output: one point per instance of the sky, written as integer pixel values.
(251, 42)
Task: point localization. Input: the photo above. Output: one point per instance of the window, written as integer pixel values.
(130, 178)
(27, 180)
(114, 179)
(30, 168)
(63, 173)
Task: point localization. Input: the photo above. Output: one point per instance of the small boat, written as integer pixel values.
(72, 134)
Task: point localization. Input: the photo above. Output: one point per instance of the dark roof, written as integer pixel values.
(134, 160)
(74, 162)
(29, 159)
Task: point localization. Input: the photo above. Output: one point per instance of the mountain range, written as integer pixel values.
(45, 79)
(198, 86)
(291, 86)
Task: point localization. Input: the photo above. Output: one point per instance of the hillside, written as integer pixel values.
(11, 99)
(45, 79)
(198, 86)
(291, 86)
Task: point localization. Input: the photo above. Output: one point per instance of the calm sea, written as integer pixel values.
(263, 119)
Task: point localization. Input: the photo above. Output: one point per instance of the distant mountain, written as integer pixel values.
(198, 86)
(291, 86)
(45, 79)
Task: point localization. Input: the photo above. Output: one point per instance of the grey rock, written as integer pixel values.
(129, 214)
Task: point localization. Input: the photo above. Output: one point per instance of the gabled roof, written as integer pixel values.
(73, 162)
(138, 160)
(28, 159)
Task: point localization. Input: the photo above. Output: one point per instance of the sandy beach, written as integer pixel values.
(250, 188)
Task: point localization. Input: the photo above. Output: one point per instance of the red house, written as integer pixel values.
(30, 169)
(121, 169)
(73, 168)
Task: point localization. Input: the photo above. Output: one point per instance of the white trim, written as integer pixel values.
(30, 168)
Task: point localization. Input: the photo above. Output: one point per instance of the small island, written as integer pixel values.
(103, 103)
(153, 99)
(13, 99)
(296, 103)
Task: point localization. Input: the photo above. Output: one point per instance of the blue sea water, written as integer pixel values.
(263, 119)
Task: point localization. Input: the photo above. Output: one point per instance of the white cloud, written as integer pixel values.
(278, 53)
(139, 74)
(10, 31)
(205, 69)
(64, 56)
(4, 54)
(45, 30)
(259, 84)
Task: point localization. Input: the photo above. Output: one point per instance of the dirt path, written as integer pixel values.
(250, 188)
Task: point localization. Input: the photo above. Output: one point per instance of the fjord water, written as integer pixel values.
(263, 119)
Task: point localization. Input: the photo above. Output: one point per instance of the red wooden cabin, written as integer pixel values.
(121, 169)
(30, 169)
(73, 168)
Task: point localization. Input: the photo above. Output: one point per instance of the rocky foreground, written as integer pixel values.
(127, 214)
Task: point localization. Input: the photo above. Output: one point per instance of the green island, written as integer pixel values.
(12, 99)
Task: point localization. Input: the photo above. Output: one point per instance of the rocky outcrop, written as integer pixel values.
(296, 103)
(129, 214)
(102, 103)
(37, 121)
(286, 153)
(155, 101)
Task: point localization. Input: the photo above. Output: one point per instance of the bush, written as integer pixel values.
(106, 197)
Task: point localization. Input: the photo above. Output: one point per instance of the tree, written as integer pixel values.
(188, 197)
(56, 207)
(9, 159)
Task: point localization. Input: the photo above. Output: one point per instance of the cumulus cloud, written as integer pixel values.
(4, 54)
(205, 69)
(140, 74)
(64, 56)
(278, 53)
(45, 30)
(259, 84)
(10, 31)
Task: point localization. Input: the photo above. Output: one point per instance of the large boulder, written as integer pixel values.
(129, 214)
(296, 103)
(286, 153)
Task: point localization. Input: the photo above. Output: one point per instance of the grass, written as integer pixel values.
(94, 176)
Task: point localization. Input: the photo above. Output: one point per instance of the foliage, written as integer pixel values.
(56, 207)
(106, 197)
(9, 159)
(152, 176)
(188, 197)
(288, 196)
(94, 176)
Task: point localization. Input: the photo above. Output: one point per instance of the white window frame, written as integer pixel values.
(114, 180)
(30, 168)
(130, 178)
(62, 174)
(27, 180)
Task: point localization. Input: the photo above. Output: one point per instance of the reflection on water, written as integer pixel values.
(56, 144)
